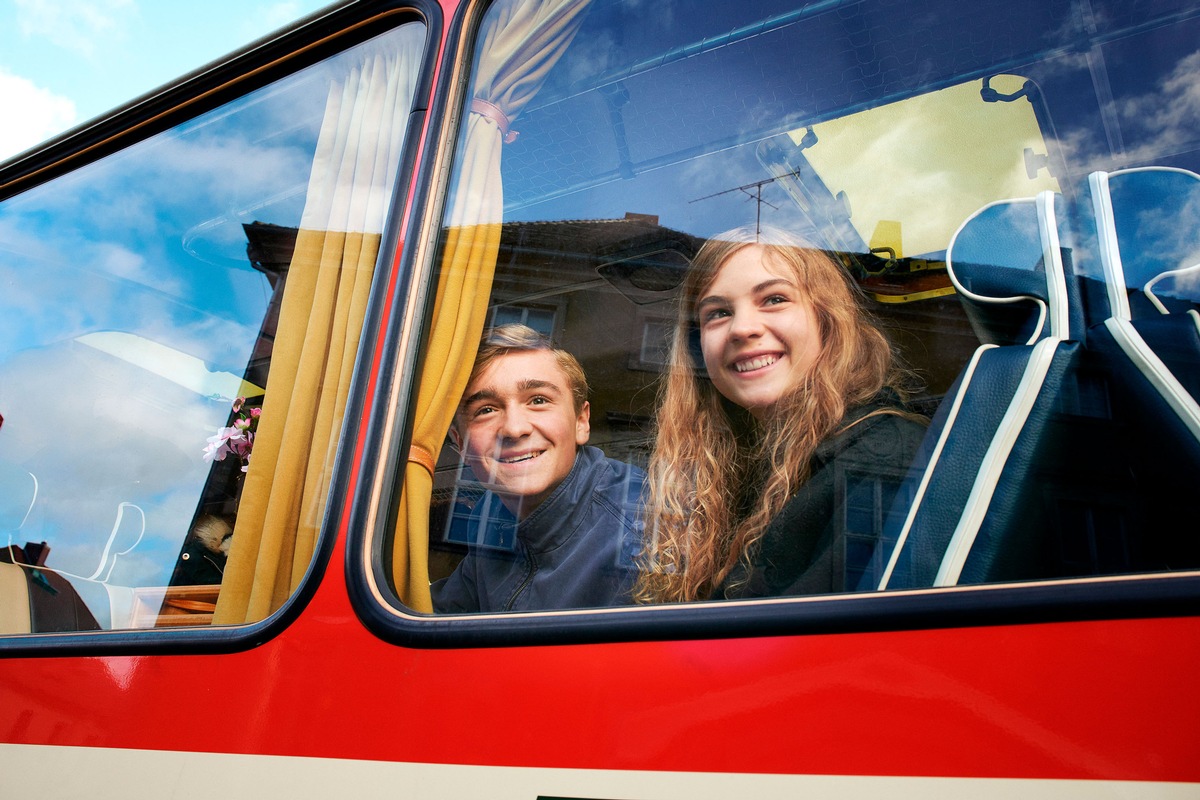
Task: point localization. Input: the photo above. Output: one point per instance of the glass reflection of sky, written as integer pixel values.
(1157, 217)
(1005, 235)
(147, 243)
(656, 106)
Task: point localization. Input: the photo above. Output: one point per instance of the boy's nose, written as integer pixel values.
(516, 424)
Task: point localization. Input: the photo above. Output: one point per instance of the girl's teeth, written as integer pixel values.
(755, 363)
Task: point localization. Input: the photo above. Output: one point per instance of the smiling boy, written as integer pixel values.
(561, 520)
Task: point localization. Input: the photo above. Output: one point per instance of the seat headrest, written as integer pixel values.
(1148, 226)
(1006, 262)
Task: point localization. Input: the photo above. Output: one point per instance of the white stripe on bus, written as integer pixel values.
(100, 773)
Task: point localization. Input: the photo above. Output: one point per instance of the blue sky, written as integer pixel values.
(63, 62)
(128, 280)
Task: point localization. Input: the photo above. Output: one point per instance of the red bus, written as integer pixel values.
(238, 315)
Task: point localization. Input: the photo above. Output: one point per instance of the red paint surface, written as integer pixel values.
(1102, 700)
(1111, 700)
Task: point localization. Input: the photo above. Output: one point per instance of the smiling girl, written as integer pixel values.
(780, 404)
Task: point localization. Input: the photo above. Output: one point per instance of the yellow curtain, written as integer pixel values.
(522, 40)
(320, 322)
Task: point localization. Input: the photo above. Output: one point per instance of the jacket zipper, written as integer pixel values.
(532, 569)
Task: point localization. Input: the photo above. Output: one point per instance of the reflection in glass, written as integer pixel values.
(874, 130)
(1156, 214)
(142, 295)
(1003, 235)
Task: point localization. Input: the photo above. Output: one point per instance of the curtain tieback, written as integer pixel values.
(419, 455)
(492, 111)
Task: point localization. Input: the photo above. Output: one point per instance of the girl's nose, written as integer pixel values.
(746, 325)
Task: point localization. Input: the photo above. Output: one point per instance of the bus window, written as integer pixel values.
(170, 314)
(942, 156)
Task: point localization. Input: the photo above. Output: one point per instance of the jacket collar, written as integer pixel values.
(553, 522)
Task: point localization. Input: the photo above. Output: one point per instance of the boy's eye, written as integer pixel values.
(481, 410)
(539, 400)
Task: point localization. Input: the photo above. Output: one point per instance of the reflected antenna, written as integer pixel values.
(754, 192)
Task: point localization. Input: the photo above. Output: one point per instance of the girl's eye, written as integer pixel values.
(714, 314)
(775, 299)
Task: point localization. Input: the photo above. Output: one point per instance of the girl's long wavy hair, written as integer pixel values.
(717, 475)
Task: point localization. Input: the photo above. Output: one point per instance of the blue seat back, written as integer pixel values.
(977, 465)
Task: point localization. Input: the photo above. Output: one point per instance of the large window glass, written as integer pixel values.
(177, 326)
(974, 171)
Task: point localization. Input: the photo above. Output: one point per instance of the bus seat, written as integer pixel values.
(18, 494)
(1148, 231)
(34, 598)
(127, 531)
(1152, 332)
(979, 464)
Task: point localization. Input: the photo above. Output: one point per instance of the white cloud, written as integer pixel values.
(117, 434)
(1168, 116)
(1153, 125)
(32, 114)
(75, 25)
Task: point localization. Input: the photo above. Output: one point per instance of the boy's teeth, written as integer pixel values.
(755, 363)
(517, 459)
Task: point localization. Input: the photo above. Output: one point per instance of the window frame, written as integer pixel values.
(306, 42)
(374, 506)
